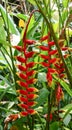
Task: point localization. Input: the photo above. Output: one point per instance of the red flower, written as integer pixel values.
(29, 42)
(22, 68)
(23, 99)
(21, 75)
(24, 113)
(20, 59)
(22, 84)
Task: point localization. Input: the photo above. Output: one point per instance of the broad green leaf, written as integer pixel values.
(67, 119)
(2, 30)
(54, 126)
(33, 27)
(42, 77)
(64, 85)
(42, 96)
(12, 26)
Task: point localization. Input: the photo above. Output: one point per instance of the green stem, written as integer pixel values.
(14, 70)
(49, 24)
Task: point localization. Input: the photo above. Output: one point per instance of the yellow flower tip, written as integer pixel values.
(18, 82)
(35, 80)
(34, 112)
(36, 90)
(17, 91)
(35, 96)
(70, 49)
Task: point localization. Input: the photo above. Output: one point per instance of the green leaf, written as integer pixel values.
(32, 2)
(2, 31)
(42, 97)
(64, 85)
(3, 42)
(22, 16)
(67, 119)
(12, 27)
(54, 126)
(42, 77)
(65, 3)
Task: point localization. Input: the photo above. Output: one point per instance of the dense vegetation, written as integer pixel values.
(35, 65)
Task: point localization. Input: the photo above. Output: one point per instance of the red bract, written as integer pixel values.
(19, 48)
(44, 56)
(32, 96)
(31, 72)
(44, 38)
(20, 59)
(59, 93)
(23, 84)
(53, 52)
(30, 64)
(21, 68)
(29, 42)
(32, 89)
(21, 75)
(23, 106)
(23, 99)
(51, 43)
(23, 92)
(44, 48)
(29, 54)
(24, 113)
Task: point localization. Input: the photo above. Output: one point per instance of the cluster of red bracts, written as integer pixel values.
(26, 75)
(53, 64)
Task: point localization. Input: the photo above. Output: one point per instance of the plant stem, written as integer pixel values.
(14, 70)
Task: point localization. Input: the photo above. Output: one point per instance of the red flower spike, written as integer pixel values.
(31, 72)
(44, 56)
(19, 48)
(23, 113)
(22, 99)
(53, 52)
(29, 42)
(23, 92)
(32, 96)
(49, 78)
(44, 48)
(30, 64)
(29, 54)
(22, 84)
(20, 59)
(32, 89)
(45, 64)
(31, 111)
(44, 38)
(31, 103)
(51, 43)
(23, 106)
(58, 93)
(31, 81)
(21, 75)
(21, 68)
